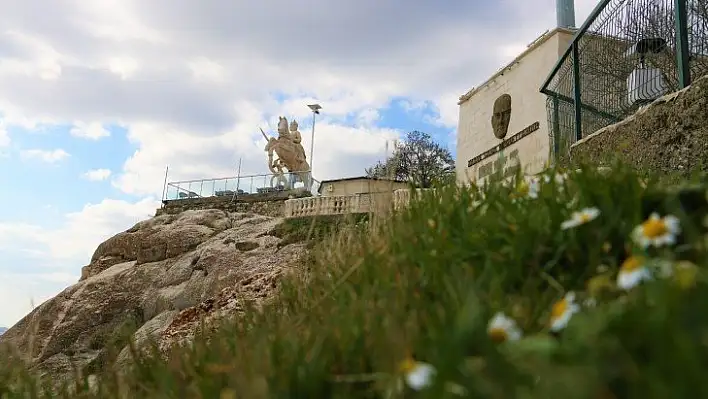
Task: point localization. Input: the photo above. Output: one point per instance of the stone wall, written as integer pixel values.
(668, 136)
(270, 204)
(293, 206)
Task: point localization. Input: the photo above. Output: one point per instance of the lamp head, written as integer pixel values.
(315, 108)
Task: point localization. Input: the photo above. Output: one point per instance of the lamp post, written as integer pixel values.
(315, 111)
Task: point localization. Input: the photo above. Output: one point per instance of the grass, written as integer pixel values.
(314, 229)
(425, 284)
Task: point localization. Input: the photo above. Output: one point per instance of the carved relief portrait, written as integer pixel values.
(501, 116)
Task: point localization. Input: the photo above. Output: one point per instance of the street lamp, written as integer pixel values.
(315, 111)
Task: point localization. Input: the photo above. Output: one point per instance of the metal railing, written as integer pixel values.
(624, 56)
(235, 186)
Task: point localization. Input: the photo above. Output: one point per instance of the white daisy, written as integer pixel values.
(529, 187)
(559, 178)
(632, 272)
(657, 231)
(581, 217)
(502, 328)
(418, 375)
(562, 311)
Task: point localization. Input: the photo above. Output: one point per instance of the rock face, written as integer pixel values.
(160, 277)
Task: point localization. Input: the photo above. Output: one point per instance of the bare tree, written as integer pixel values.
(418, 160)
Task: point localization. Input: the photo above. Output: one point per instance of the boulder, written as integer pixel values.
(156, 281)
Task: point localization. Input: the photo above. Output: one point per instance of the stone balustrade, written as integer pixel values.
(402, 197)
(343, 204)
(325, 205)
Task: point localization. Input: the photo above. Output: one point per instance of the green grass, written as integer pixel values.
(426, 282)
(314, 229)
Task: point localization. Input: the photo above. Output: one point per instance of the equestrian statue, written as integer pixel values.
(291, 155)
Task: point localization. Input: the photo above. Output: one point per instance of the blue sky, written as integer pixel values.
(43, 189)
(120, 89)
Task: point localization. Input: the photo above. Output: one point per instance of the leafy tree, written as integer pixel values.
(418, 160)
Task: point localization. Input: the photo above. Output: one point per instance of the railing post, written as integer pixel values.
(556, 127)
(682, 48)
(164, 186)
(576, 92)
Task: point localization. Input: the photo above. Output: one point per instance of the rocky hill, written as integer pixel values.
(158, 279)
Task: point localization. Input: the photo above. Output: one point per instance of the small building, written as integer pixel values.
(503, 124)
(359, 185)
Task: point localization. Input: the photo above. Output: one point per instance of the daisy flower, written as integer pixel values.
(562, 311)
(632, 272)
(418, 375)
(580, 217)
(559, 178)
(528, 187)
(657, 231)
(502, 328)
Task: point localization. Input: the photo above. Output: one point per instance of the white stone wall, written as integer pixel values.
(522, 80)
(343, 204)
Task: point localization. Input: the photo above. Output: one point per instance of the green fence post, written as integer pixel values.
(556, 127)
(682, 51)
(576, 92)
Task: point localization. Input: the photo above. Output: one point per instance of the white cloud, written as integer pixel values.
(162, 55)
(4, 137)
(48, 156)
(206, 70)
(97, 174)
(91, 131)
(81, 231)
(84, 230)
(125, 67)
(21, 292)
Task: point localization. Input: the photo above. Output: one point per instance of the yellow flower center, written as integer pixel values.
(407, 365)
(631, 264)
(653, 228)
(584, 217)
(558, 309)
(523, 188)
(498, 334)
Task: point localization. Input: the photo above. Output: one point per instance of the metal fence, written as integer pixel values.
(235, 186)
(625, 55)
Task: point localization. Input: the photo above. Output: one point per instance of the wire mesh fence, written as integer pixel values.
(627, 54)
(232, 187)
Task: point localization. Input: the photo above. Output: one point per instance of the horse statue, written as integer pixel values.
(289, 154)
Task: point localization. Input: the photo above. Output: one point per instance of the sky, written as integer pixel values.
(98, 97)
